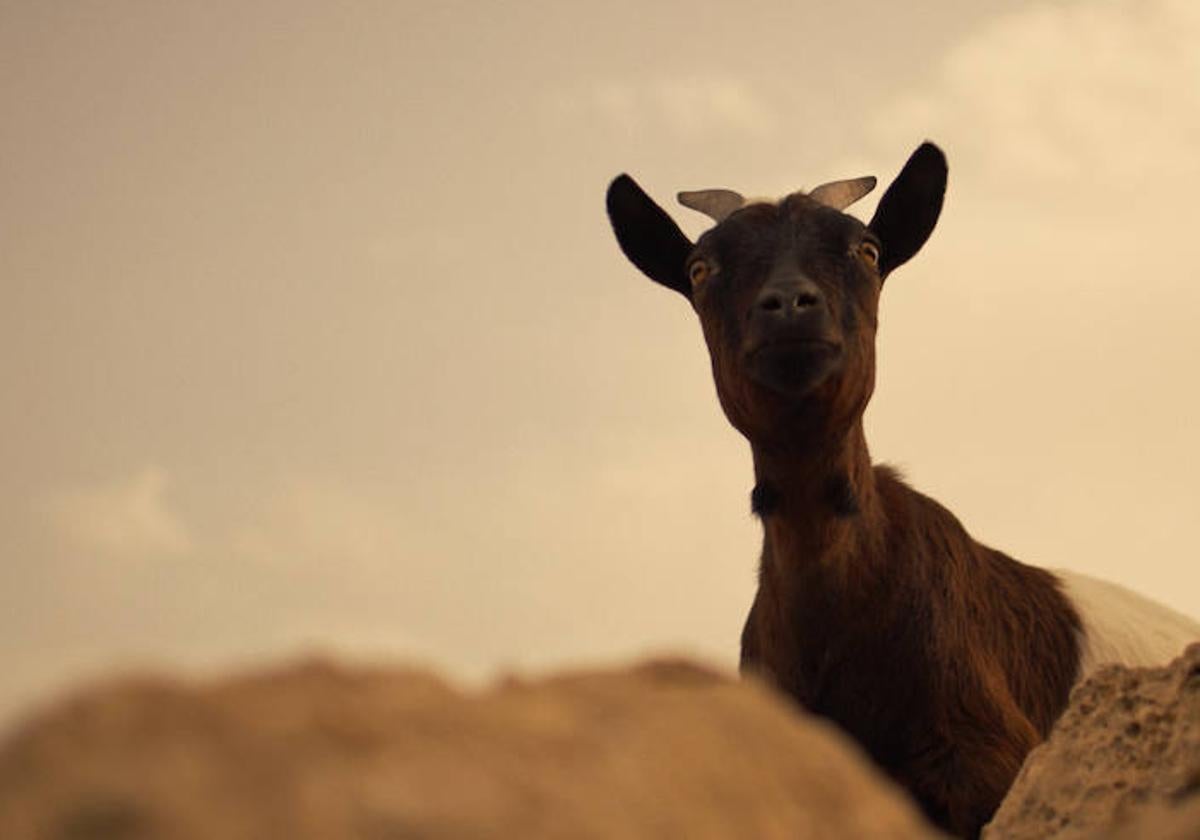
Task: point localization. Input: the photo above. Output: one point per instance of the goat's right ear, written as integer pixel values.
(648, 236)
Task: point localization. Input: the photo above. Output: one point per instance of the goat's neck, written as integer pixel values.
(821, 511)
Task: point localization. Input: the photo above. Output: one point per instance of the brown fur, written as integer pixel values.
(947, 660)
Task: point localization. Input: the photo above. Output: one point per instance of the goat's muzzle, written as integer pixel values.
(790, 344)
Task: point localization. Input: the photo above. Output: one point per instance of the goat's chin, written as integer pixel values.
(793, 370)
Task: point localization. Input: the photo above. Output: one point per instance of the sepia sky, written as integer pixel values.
(313, 334)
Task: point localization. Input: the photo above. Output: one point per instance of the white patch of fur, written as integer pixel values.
(1120, 626)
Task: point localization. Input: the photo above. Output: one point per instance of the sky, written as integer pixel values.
(314, 335)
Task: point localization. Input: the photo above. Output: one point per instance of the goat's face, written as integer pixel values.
(787, 293)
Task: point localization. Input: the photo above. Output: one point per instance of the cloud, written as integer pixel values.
(311, 523)
(126, 518)
(300, 522)
(1067, 93)
(307, 564)
(684, 107)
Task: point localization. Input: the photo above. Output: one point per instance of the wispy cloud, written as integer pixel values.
(694, 106)
(300, 522)
(1098, 90)
(312, 523)
(127, 518)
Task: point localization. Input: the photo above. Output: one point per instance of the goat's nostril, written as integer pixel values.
(786, 302)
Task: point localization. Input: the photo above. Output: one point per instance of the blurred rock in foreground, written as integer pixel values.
(667, 749)
(1122, 763)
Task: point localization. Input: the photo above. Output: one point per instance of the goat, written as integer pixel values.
(945, 659)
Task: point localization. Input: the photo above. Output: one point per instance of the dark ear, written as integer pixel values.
(648, 236)
(910, 207)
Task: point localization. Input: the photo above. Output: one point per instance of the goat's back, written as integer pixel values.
(1122, 627)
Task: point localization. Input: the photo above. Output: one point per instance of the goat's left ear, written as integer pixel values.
(648, 236)
(910, 207)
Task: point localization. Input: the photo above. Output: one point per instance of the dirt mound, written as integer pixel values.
(667, 749)
(1122, 762)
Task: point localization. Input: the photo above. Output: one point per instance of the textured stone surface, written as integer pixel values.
(1159, 822)
(1122, 762)
(667, 749)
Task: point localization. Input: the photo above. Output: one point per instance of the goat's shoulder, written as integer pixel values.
(986, 611)
(921, 534)
(934, 539)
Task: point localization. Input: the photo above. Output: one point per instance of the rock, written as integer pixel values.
(1123, 762)
(1160, 822)
(318, 750)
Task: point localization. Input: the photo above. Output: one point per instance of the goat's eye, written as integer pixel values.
(698, 272)
(869, 251)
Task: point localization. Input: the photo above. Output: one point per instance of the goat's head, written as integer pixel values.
(787, 292)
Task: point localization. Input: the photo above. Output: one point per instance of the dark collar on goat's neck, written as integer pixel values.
(820, 511)
(836, 481)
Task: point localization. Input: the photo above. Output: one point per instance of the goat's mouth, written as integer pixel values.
(792, 367)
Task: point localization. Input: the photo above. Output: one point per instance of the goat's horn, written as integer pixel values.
(716, 204)
(841, 194)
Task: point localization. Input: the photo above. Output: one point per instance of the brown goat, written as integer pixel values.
(947, 660)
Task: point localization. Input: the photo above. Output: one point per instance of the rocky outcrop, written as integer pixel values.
(667, 749)
(1123, 762)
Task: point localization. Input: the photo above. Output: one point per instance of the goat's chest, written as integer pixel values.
(858, 667)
